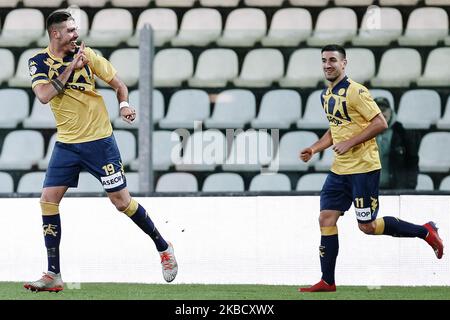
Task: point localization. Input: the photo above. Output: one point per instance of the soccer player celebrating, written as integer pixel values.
(64, 75)
(355, 120)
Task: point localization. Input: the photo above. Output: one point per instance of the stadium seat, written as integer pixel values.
(129, 4)
(8, 3)
(334, 25)
(215, 68)
(81, 20)
(424, 182)
(325, 162)
(132, 181)
(304, 69)
(445, 184)
(163, 21)
(394, 74)
(43, 163)
(7, 69)
(87, 183)
(309, 3)
(289, 27)
(437, 2)
(431, 155)
(353, 3)
(379, 27)
(437, 69)
(127, 145)
(166, 149)
(314, 116)
(279, 109)
(426, 26)
(187, 109)
(175, 3)
(311, 182)
(31, 182)
(7, 183)
(172, 67)
(41, 117)
(219, 3)
(234, 108)
(22, 77)
(383, 93)
(19, 100)
(204, 151)
(157, 111)
(223, 182)
(21, 150)
(444, 122)
(111, 102)
(263, 3)
(126, 62)
(270, 182)
(16, 33)
(252, 75)
(110, 27)
(398, 2)
(199, 27)
(419, 109)
(88, 3)
(288, 155)
(250, 151)
(177, 182)
(243, 28)
(42, 3)
(356, 58)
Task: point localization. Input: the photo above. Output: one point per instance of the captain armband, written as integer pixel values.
(58, 85)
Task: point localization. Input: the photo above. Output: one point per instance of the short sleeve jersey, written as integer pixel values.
(79, 111)
(349, 108)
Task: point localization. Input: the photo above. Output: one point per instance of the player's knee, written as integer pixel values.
(367, 228)
(121, 204)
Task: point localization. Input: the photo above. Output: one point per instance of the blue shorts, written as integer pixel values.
(361, 189)
(101, 158)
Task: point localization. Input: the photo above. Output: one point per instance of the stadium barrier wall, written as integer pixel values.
(223, 240)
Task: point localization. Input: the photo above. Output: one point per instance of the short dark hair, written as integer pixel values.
(56, 17)
(382, 102)
(335, 47)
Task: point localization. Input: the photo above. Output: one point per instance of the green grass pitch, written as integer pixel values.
(129, 291)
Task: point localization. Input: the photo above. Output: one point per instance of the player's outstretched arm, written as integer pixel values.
(377, 125)
(324, 142)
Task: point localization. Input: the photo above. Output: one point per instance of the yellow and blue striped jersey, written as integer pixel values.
(79, 111)
(350, 108)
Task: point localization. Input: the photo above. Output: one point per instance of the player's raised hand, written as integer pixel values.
(306, 154)
(80, 59)
(128, 114)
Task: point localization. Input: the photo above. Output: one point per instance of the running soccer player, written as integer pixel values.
(355, 120)
(64, 75)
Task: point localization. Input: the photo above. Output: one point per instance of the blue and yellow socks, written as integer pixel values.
(328, 250)
(398, 228)
(139, 216)
(51, 225)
